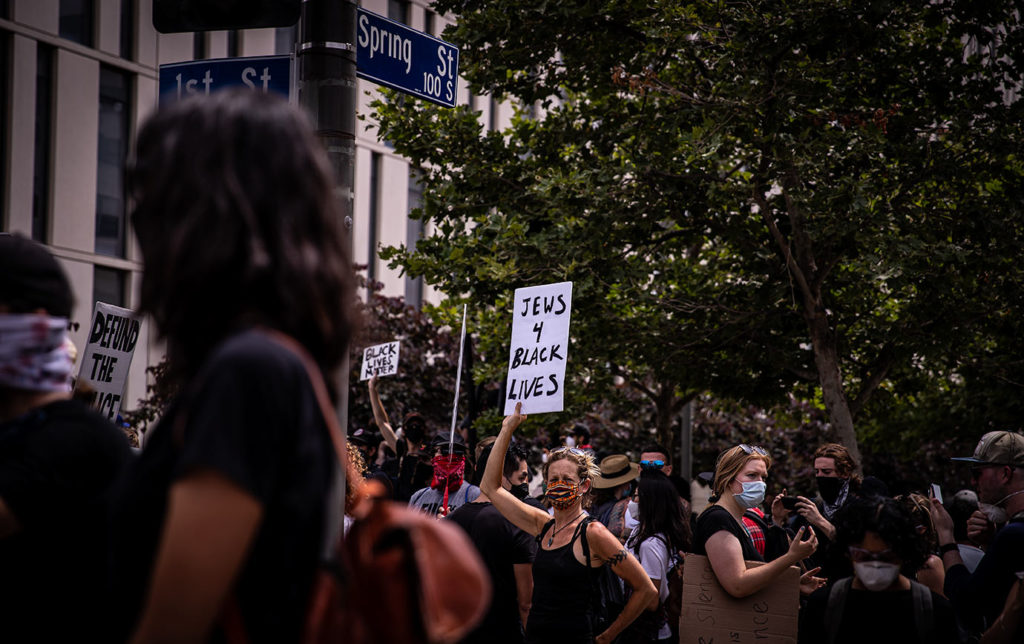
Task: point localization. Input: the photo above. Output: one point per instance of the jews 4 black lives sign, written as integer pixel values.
(539, 349)
(108, 355)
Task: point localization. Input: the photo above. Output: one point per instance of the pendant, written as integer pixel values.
(551, 540)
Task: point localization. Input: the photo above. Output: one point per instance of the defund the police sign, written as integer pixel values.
(391, 54)
(112, 338)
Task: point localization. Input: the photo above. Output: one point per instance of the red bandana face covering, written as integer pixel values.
(448, 469)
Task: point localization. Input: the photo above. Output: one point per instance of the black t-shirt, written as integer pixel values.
(251, 415)
(876, 617)
(714, 519)
(501, 545)
(57, 464)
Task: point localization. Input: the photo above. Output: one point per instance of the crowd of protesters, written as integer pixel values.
(215, 532)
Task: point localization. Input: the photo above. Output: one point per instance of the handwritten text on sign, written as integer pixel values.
(540, 346)
(380, 360)
(112, 338)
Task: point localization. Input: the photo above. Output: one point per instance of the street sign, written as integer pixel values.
(262, 73)
(392, 54)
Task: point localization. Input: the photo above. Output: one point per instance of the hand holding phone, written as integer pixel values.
(936, 492)
(789, 502)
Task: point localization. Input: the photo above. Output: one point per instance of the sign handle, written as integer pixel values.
(458, 381)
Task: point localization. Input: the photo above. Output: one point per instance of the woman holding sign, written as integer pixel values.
(740, 485)
(221, 521)
(573, 547)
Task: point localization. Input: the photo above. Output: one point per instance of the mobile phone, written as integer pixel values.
(789, 502)
(936, 492)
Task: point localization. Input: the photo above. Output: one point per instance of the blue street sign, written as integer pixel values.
(399, 57)
(263, 73)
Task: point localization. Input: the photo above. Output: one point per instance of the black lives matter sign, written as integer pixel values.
(380, 360)
(539, 349)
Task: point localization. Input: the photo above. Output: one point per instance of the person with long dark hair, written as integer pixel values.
(223, 518)
(661, 534)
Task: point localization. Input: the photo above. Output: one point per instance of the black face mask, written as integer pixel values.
(830, 487)
(520, 491)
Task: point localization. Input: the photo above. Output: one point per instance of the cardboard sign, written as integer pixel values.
(380, 360)
(712, 616)
(112, 338)
(540, 346)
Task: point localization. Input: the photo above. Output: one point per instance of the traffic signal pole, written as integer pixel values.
(326, 52)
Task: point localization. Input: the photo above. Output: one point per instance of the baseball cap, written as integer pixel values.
(997, 448)
(365, 437)
(30, 278)
(441, 440)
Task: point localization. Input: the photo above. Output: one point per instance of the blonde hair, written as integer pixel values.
(731, 462)
(586, 466)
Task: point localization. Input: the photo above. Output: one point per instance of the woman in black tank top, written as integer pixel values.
(563, 584)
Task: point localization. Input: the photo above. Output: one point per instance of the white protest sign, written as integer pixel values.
(540, 346)
(380, 360)
(112, 339)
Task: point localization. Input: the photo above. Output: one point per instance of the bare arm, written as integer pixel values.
(524, 589)
(210, 525)
(1003, 630)
(527, 518)
(606, 547)
(9, 523)
(381, 417)
(726, 557)
(944, 531)
(809, 511)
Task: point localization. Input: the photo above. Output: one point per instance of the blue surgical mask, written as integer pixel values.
(752, 494)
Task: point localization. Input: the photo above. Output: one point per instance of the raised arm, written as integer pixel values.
(726, 557)
(381, 417)
(607, 548)
(525, 517)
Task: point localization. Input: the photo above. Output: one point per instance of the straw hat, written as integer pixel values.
(616, 470)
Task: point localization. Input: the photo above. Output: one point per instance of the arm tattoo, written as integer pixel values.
(617, 558)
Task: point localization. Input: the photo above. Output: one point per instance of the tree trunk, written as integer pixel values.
(826, 359)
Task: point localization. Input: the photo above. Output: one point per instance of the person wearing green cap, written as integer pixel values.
(997, 471)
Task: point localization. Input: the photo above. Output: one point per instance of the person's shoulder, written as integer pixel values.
(76, 420)
(254, 349)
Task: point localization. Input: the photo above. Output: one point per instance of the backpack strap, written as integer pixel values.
(924, 612)
(834, 608)
(544, 530)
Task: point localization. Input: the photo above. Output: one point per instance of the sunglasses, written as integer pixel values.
(652, 465)
(860, 555)
(756, 449)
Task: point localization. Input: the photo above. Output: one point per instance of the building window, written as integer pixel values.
(284, 40)
(76, 21)
(492, 118)
(429, 20)
(398, 10)
(5, 58)
(5, 9)
(371, 257)
(234, 44)
(108, 286)
(198, 45)
(128, 29)
(413, 232)
(43, 138)
(113, 150)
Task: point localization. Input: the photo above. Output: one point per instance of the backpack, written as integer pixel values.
(924, 612)
(608, 596)
(673, 606)
(398, 576)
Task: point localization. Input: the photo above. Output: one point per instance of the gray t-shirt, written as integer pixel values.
(429, 500)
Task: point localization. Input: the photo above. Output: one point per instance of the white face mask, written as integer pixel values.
(632, 518)
(876, 575)
(994, 512)
(570, 441)
(752, 494)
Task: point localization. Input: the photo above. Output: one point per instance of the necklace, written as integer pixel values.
(552, 537)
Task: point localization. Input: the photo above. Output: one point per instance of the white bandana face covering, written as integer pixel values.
(34, 353)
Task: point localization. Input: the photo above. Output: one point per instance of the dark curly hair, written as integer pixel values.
(239, 225)
(891, 522)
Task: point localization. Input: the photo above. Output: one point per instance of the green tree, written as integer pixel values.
(750, 197)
